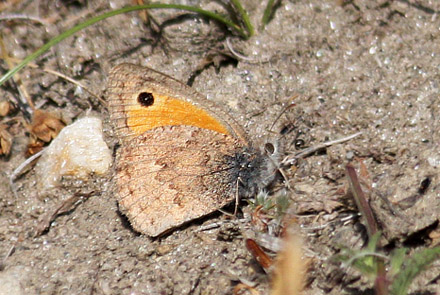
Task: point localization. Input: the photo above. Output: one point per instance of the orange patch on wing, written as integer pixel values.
(168, 111)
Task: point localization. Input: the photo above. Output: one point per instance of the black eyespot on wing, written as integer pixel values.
(146, 99)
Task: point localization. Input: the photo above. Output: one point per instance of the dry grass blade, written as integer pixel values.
(17, 172)
(75, 82)
(62, 76)
(64, 207)
(289, 160)
(16, 16)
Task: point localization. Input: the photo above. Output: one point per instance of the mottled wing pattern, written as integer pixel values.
(173, 174)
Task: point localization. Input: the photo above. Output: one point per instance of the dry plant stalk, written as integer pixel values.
(290, 268)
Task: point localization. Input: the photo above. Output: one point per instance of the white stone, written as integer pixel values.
(11, 280)
(78, 151)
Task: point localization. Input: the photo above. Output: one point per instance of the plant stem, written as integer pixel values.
(361, 201)
(381, 282)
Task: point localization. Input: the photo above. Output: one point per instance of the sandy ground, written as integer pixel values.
(370, 66)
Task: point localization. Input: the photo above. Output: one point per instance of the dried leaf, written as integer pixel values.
(34, 146)
(260, 256)
(45, 126)
(259, 219)
(435, 236)
(5, 140)
(242, 289)
(143, 14)
(5, 108)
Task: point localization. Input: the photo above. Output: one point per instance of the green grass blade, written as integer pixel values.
(267, 13)
(417, 263)
(98, 18)
(397, 259)
(244, 17)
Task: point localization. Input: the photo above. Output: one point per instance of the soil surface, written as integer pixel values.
(349, 66)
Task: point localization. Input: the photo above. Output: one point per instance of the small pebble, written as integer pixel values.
(78, 151)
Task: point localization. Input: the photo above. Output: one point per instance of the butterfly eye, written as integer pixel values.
(146, 99)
